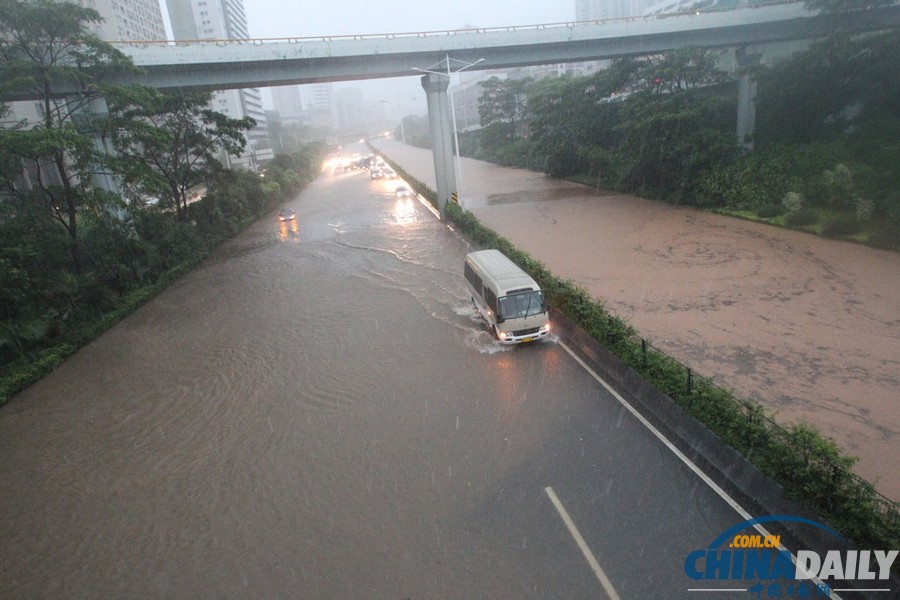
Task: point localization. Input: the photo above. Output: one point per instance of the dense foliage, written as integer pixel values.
(166, 144)
(75, 256)
(824, 153)
(42, 45)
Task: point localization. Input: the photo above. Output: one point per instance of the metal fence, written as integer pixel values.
(762, 436)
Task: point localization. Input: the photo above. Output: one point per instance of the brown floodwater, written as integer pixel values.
(318, 411)
(807, 326)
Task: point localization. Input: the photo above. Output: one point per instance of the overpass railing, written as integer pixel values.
(442, 32)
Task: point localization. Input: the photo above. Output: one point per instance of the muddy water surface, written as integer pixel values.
(807, 326)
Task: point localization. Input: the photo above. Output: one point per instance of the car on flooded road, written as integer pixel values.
(286, 214)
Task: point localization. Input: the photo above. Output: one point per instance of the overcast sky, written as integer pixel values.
(289, 18)
(285, 18)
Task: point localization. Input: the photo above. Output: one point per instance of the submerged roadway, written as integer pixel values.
(317, 412)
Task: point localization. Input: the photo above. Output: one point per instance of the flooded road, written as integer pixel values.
(809, 327)
(317, 412)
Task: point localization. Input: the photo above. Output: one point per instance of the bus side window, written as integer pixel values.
(474, 279)
(491, 300)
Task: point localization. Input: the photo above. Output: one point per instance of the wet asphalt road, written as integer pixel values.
(316, 412)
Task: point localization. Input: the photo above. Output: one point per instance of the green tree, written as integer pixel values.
(503, 103)
(573, 121)
(167, 143)
(50, 162)
(680, 69)
(837, 81)
(672, 140)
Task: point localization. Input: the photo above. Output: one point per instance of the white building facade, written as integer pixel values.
(127, 20)
(225, 19)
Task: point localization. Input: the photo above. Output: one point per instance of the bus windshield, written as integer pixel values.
(516, 306)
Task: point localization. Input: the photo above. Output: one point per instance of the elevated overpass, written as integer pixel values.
(232, 64)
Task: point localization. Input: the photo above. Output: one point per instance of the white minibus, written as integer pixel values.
(507, 297)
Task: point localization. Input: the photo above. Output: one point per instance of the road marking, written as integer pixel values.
(690, 465)
(598, 571)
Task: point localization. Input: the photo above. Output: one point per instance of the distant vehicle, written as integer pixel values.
(375, 173)
(403, 192)
(286, 214)
(389, 174)
(507, 297)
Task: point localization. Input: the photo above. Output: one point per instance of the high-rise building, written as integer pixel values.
(130, 20)
(216, 20)
(348, 103)
(287, 103)
(127, 20)
(598, 10)
(318, 99)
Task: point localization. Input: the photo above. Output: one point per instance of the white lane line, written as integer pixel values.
(595, 566)
(712, 484)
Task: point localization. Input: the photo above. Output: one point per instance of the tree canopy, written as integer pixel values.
(45, 47)
(166, 143)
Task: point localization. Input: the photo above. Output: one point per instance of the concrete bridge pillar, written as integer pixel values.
(439, 120)
(746, 56)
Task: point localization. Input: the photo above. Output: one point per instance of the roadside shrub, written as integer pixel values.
(515, 154)
(271, 188)
(801, 218)
(839, 186)
(812, 468)
(792, 202)
(841, 226)
(768, 211)
(888, 235)
(864, 208)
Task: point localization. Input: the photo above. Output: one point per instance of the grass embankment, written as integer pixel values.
(19, 375)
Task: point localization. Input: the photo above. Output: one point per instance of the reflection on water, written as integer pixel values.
(288, 230)
(404, 211)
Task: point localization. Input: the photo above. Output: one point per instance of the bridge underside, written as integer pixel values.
(235, 64)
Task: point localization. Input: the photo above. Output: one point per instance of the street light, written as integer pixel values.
(449, 75)
(402, 129)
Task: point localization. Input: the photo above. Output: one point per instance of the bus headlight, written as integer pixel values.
(501, 335)
(545, 328)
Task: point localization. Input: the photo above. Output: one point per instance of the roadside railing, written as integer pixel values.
(441, 32)
(812, 469)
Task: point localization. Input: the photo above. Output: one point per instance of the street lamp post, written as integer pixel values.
(402, 128)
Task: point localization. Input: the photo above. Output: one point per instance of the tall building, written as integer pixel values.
(123, 20)
(127, 20)
(598, 10)
(216, 20)
(351, 115)
(287, 103)
(318, 99)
